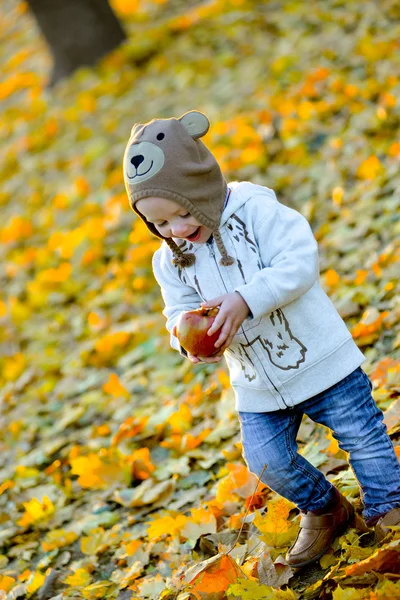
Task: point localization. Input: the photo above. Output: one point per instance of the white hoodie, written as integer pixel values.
(295, 344)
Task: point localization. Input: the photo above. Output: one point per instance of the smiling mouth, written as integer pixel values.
(141, 174)
(194, 235)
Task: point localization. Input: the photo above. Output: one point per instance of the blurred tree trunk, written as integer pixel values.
(78, 32)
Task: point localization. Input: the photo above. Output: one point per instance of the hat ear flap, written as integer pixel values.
(195, 123)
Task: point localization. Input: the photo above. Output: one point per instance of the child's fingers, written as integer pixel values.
(219, 322)
(214, 327)
(211, 359)
(226, 341)
(225, 332)
(212, 303)
(193, 358)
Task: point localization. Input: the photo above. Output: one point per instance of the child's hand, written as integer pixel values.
(205, 359)
(232, 312)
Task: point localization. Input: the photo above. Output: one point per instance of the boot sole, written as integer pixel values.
(339, 531)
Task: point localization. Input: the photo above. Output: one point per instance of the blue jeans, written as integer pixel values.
(349, 410)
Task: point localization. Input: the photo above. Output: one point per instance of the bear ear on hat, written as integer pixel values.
(195, 123)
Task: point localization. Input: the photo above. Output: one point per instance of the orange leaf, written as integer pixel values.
(210, 579)
(131, 427)
(331, 277)
(111, 342)
(380, 374)
(360, 277)
(114, 387)
(386, 560)
(142, 467)
(82, 186)
(6, 583)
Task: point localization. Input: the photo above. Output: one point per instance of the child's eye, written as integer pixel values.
(185, 216)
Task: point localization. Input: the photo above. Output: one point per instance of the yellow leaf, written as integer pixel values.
(18, 229)
(95, 543)
(58, 275)
(26, 472)
(37, 511)
(370, 168)
(253, 590)
(13, 366)
(100, 589)
(35, 582)
(275, 526)
(94, 228)
(181, 420)
(337, 196)
(99, 473)
(80, 578)
(58, 538)
(125, 7)
(167, 525)
(305, 110)
(346, 594)
(223, 378)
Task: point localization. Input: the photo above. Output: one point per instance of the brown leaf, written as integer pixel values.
(273, 574)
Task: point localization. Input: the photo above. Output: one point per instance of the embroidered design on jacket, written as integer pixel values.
(284, 350)
(246, 364)
(239, 230)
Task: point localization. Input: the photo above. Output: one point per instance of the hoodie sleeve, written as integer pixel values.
(178, 297)
(289, 254)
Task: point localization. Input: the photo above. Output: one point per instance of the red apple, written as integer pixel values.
(191, 331)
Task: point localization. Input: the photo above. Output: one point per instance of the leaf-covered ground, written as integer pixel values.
(120, 463)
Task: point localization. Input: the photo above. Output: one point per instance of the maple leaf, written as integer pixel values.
(386, 559)
(210, 579)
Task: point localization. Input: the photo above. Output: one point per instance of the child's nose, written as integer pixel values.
(179, 230)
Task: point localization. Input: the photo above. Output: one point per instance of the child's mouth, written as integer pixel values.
(195, 235)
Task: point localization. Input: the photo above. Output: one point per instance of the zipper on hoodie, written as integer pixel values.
(210, 244)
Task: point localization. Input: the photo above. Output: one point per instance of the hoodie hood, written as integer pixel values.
(244, 192)
(166, 159)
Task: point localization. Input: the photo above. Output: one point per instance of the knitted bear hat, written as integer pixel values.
(166, 159)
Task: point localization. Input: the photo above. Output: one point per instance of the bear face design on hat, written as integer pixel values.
(165, 158)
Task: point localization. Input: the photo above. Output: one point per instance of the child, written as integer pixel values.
(288, 351)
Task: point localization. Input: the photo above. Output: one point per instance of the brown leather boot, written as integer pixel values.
(317, 531)
(382, 529)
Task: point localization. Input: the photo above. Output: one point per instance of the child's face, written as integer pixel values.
(172, 220)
